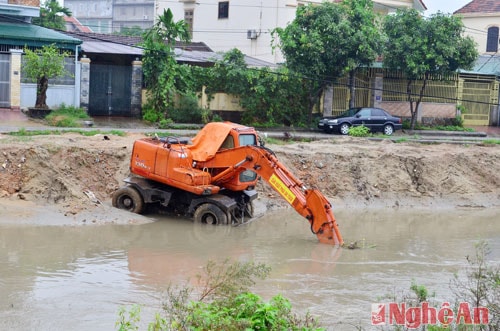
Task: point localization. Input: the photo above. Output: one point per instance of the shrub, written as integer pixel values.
(224, 303)
(66, 116)
(359, 131)
(165, 123)
(187, 110)
(458, 121)
(150, 114)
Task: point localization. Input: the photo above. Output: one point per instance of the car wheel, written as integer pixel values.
(344, 128)
(388, 129)
(209, 213)
(129, 199)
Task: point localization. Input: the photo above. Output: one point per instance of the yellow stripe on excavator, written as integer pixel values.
(282, 189)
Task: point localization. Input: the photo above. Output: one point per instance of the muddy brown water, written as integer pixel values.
(77, 277)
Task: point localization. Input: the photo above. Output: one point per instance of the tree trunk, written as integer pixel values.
(413, 111)
(41, 93)
(328, 100)
(421, 95)
(352, 88)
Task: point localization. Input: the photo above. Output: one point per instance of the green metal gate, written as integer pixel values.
(4, 80)
(110, 90)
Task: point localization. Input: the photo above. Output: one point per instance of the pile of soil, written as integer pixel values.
(76, 174)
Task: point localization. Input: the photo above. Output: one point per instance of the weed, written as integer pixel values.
(481, 286)
(128, 323)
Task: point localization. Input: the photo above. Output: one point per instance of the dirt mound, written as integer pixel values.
(76, 172)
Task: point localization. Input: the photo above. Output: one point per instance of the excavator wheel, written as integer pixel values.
(129, 199)
(249, 209)
(208, 213)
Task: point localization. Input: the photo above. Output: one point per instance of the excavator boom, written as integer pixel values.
(310, 203)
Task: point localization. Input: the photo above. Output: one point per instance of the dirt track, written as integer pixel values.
(76, 174)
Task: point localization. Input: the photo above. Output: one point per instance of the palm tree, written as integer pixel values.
(51, 15)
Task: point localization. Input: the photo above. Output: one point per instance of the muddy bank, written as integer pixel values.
(74, 176)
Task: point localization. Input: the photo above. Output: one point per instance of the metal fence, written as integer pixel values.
(477, 93)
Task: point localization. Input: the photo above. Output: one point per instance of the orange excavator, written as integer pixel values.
(212, 179)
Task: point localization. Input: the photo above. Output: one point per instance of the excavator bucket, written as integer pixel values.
(323, 222)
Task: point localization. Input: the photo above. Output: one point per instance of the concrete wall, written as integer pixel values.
(96, 14)
(56, 95)
(127, 13)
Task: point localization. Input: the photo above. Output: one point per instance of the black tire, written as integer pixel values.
(249, 210)
(128, 198)
(208, 213)
(388, 129)
(344, 128)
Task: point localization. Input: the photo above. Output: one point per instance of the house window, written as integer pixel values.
(492, 41)
(223, 9)
(188, 18)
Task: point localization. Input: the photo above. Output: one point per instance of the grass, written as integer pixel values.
(67, 116)
(491, 141)
(22, 132)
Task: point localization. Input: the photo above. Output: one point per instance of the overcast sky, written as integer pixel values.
(446, 6)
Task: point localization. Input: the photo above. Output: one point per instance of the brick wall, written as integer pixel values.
(429, 109)
(432, 113)
(30, 3)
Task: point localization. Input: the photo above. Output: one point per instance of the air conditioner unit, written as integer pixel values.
(145, 17)
(252, 34)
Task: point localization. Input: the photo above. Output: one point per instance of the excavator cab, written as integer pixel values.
(211, 150)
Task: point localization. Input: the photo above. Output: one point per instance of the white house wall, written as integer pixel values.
(260, 15)
(477, 28)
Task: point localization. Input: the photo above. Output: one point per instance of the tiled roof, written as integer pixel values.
(194, 52)
(480, 6)
(130, 40)
(76, 24)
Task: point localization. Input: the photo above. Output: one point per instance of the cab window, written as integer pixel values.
(228, 143)
(247, 139)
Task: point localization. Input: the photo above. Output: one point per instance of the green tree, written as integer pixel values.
(130, 31)
(365, 39)
(269, 96)
(315, 45)
(160, 67)
(41, 65)
(423, 48)
(51, 15)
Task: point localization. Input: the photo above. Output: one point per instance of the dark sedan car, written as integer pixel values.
(376, 119)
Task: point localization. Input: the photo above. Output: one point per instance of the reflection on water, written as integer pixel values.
(62, 277)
